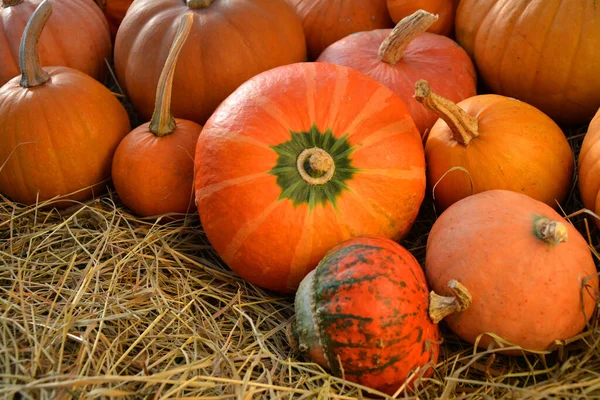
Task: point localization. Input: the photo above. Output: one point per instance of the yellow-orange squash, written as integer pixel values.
(530, 273)
(589, 167)
(299, 159)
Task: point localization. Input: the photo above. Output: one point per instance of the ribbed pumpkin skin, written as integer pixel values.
(589, 167)
(544, 52)
(518, 148)
(114, 11)
(437, 59)
(155, 175)
(368, 302)
(327, 21)
(445, 9)
(524, 290)
(76, 36)
(273, 235)
(230, 42)
(58, 137)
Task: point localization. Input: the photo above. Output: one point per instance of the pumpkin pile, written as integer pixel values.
(308, 134)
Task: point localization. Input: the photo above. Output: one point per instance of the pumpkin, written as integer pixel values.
(363, 314)
(230, 42)
(445, 9)
(530, 273)
(76, 36)
(153, 167)
(59, 129)
(542, 52)
(114, 11)
(327, 21)
(399, 57)
(299, 159)
(589, 167)
(494, 142)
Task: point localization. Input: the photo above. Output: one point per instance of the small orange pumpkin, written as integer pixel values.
(114, 11)
(530, 273)
(77, 36)
(589, 167)
(153, 167)
(490, 142)
(399, 57)
(59, 129)
(300, 158)
(445, 9)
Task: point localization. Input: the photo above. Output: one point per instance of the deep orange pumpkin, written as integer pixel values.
(114, 11)
(59, 128)
(327, 21)
(542, 52)
(153, 167)
(230, 42)
(399, 57)
(299, 159)
(494, 142)
(589, 167)
(527, 269)
(365, 306)
(76, 36)
(445, 9)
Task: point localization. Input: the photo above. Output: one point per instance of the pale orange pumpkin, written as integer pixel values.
(589, 167)
(530, 273)
(77, 36)
(542, 52)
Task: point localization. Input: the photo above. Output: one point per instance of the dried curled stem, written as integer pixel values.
(442, 306)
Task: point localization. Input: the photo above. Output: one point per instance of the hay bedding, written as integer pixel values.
(96, 303)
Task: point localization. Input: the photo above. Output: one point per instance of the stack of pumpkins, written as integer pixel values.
(307, 133)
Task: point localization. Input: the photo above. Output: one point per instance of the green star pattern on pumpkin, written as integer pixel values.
(292, 185)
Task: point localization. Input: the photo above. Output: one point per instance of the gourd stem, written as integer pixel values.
(551, 232)
(392, 48)
(10, 3)
(195, 4)
(464, 127)
(32, 73)
(319, 162)
(442, 306)
(162, 122)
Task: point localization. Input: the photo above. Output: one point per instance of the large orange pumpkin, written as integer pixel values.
(445, 9)
(363, 314)
(114, 11)
(530, 273)
(494, 142)
(327, 21)
(399, 57)
(59, 128)
(589, 167)
(544, 52)
(230, 42)
(153, 167)
(76, 36)
(299, 159)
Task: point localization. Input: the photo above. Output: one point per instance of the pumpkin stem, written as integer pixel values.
(10, 3)
(162, 122)
(392, 48)
(551, 232)
(32, 73)
(320, 163)
(442, 306)
(195, 4)
(464, 126)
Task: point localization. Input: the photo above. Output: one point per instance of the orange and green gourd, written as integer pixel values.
(299, 159)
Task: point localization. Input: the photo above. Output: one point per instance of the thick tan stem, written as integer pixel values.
(195, 4)
(319, 162)
(464, 126)
(442, 306)
(551, 232)
(10, 3)
(392, 48)
(32, 73)
(162, 122)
